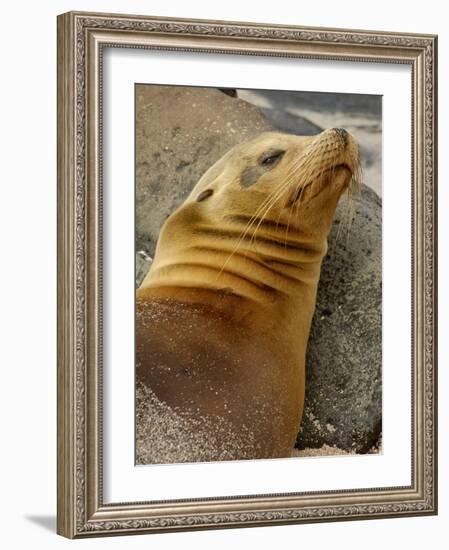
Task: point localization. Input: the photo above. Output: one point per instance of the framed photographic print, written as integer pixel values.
(247, 274)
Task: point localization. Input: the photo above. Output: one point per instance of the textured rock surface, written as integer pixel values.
(174, 148)
(343, 404)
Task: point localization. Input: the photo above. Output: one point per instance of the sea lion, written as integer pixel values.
(224, 314)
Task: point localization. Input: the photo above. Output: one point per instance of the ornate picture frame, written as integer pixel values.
(82, 40)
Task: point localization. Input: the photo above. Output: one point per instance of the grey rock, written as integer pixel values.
(143, 264)
(175, 147)
(343, 405)
(369, 106)
(290, 123)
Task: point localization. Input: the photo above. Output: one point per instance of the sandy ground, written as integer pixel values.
(325, 450)
(162, 433)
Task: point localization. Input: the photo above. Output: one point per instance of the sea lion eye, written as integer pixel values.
(270, 158)
(204, 194)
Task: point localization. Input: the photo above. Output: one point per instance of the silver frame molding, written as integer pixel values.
(81, 39)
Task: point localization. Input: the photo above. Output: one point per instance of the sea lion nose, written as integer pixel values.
(340, 131)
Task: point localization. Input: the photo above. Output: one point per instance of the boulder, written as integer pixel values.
(343, 405)
(180, 133)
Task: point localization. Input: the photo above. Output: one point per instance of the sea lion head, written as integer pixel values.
(272, 199)
(288, 179)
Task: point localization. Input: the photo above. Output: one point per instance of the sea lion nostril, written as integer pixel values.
(341, 132)
(204, 194)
